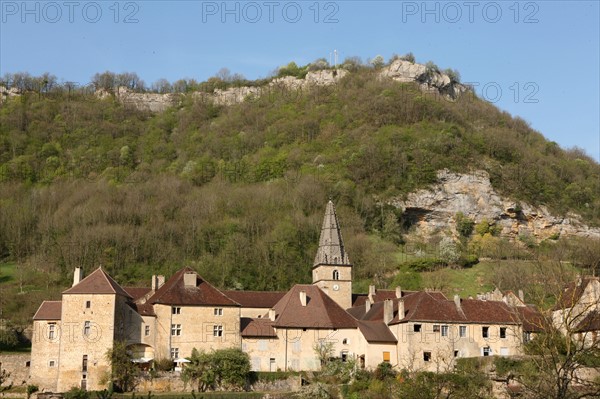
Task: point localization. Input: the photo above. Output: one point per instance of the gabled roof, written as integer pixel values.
(380, 295)
(174, 292)
(427, 306)
(137, 292)
(531, 318)
(477, 311)
(320, 311)
(331, 246)
(98, 282)
(591, 322)
(376, 331)
(572, 293)
(256, 299)
(258, 328)
(49, 310)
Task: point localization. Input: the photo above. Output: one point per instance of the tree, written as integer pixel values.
(226, 368)
(464, 225)
(377, 62)
(124, 371)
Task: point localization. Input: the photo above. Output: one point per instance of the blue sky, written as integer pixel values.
(535, 59)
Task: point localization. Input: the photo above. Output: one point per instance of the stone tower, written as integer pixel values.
(332, 270)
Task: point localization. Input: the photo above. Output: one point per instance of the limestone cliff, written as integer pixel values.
(433, 210)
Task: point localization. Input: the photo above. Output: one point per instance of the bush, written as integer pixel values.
(163, 364)
(384, 371)
(76, 393)
(464, 225)
(31, 389)
(408, 57)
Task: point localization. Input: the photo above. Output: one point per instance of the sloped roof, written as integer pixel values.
(477, 311)
(380, 295)
(49, 310)
(531, 318)
(174, 292)
(591, 322)
(98, 282)
(376, 331)
(137, 292)
(427, 306)
(572, 293)
(331, 246)
(255, 299)
(257, 327)
(320, 311)
(143, 309)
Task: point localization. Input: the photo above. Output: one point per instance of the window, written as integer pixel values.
(218, 312)
(84, 363)
(217, 330)
(436, 328)
(147, 330)
(487, 351)
(456, 353)
(175, 329)
(386, 357)
(462, 331)
(427, 356)
(336, 275)
(174, 353)
(86, 328)
(485, 332)
(175, 310)
(88, 304)
(502, 332)
(344, 356)
(444, 331)
(51, 331)
(52, 363)
(417, 328)
(345, 341)
(526, 336)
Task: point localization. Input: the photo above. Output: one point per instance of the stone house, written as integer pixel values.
(291, 330)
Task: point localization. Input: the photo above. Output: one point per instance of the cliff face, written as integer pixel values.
(433, 210)
(399, 70)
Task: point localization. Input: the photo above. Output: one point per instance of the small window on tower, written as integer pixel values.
(336, 275)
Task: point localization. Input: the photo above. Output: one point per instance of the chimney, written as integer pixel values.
(272, 314)
(367, 305)
(398, 292)
(77, 276)
(388, 311)
(372, 290)
(157, 282)
(401, 309)
(521, 296)
(457, 302)
(303, 298)
(189, 279)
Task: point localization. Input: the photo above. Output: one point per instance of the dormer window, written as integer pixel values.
(336, 275)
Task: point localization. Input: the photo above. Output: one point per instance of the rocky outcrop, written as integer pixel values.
(153, 102)
(7, 93)
(428, 79)
(433, 210)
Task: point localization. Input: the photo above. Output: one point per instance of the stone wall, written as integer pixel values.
(17, 364)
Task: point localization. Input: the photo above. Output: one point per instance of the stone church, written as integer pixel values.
(279, 330)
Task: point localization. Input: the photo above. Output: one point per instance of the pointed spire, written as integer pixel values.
(331, 246)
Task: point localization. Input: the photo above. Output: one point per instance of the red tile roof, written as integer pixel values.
(143, 309)
(256, 299)
(380, 296)
(376, 331)
(572, 293)
(477, 311)
(320, 311)
(98, 282)
(48, 310)
(591, 322)
(174, 292)
(259, 328)
(531, 318)
(137, 292)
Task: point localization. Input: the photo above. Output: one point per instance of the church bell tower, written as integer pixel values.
(332, 270)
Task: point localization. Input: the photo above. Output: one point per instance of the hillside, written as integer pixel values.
(238, 190)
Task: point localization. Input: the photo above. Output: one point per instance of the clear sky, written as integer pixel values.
(535, 59)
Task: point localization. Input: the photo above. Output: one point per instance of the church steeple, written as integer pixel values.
(331, 246)
(332, 270)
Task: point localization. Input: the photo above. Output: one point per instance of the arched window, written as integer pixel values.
(336, 275)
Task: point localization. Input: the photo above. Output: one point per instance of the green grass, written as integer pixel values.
(464, 282)
(7, 272)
